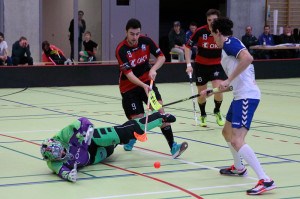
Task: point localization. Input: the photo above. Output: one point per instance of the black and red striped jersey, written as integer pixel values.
(208, 53)
(135, 59)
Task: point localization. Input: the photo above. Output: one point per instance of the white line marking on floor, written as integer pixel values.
(184, 161)
(172, 191)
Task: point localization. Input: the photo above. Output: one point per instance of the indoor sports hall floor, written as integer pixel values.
(30, 116)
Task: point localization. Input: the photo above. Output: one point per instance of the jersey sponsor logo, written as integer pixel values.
(208, 45)
(140, 60)
(204, 36)
(132, 63)
(77, 154)
(158, 51)
(129, 54)
(143, 47)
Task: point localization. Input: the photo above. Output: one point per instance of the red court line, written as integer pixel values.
(20, 139)
(136, 173)
(156, 179)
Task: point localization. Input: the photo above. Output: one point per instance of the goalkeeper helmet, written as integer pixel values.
(53, 150)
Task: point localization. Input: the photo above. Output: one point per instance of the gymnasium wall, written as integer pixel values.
(57, 15)
(50, 76)
(246, 13)
(22, 18)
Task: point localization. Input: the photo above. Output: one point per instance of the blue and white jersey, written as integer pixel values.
(244, 85)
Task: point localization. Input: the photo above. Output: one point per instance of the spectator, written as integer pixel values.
(189, 33)
(90, 48)
(81, 27)
(177, 40)
(287, 37)
(4, 54)
(54, 53)
(19, 49)
(249, 40)
(266, 39)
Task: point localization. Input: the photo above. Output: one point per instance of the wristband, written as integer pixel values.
(189, 65)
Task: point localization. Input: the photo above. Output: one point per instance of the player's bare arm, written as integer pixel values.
(138, 82)
(187, 54)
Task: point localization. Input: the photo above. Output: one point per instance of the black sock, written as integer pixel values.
(217, 106)
(202, 108)
(167, 131)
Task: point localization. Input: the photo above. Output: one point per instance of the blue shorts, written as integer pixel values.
(241, 112)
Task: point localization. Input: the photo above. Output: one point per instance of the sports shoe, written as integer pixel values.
(168, 118)
(220, 119)
(68, 62)
(261, 187)
(129, 146)
(232, 171)
(178, 149)
(203, 121)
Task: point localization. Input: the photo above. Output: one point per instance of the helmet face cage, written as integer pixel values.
(52, 150)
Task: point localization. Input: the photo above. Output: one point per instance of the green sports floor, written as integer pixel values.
(29, 116)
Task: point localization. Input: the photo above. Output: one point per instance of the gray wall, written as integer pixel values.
(115, 18)
(21, 18)
(1, 16)
(105, 20)
(244, 13)
(57, 15)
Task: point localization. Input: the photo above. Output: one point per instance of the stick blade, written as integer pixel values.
(153, 101)
(141, 138)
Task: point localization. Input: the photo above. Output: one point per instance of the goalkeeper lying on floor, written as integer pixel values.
(80, 144)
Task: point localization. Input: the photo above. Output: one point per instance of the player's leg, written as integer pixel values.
(202, 104)
(237, 141)
(217, 76)
(133, 107)
(242, 114)
(166, 129)
(97, 154)
(123, 134)
(201, 82)
(237, 168)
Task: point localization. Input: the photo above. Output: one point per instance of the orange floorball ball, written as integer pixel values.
(156, 165)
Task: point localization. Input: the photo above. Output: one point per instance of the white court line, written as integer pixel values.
(187, 162)
(55, 130)
(171, 191)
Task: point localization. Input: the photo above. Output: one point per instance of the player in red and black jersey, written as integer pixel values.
(207, 65)
(133, 55)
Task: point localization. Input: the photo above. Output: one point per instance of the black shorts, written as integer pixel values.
(205, 73)
(132, 100)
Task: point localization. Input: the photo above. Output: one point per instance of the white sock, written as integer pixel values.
(238, 164)
(248, 154)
